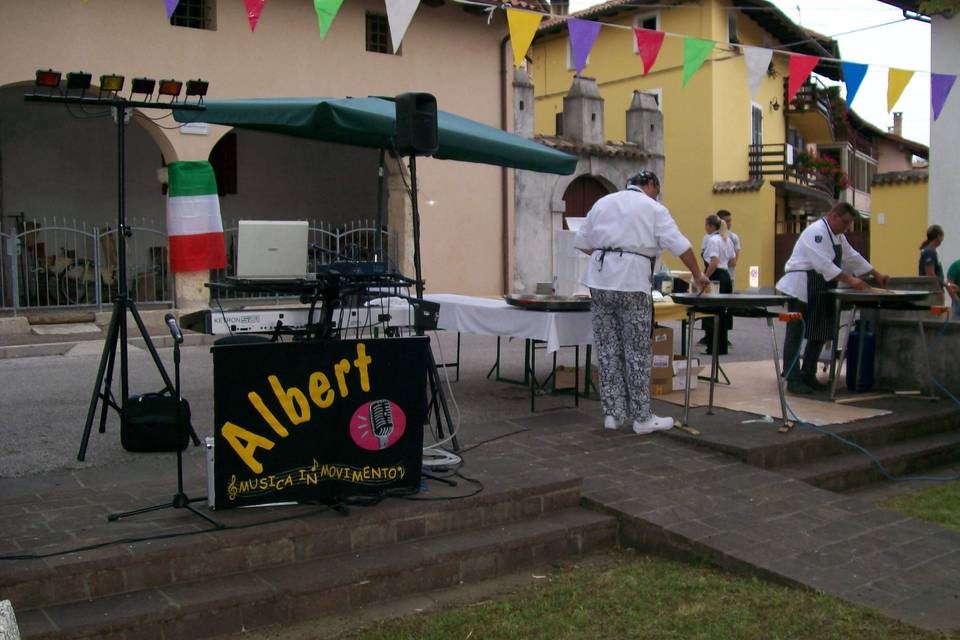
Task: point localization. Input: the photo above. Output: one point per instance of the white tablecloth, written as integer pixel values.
(491, 317)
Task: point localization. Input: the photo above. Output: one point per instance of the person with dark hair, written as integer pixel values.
(625, 232)
(821, 259)
(930, 262)
(727, 218)
(717, 253)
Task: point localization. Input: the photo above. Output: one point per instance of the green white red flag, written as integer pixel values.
(193, 218)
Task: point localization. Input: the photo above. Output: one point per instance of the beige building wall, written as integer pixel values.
(447, 52)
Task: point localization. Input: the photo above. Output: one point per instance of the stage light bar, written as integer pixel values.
(78, 80)
(170, 88)
(111, 83)
(142, 86)
(48, 79)
(197, 88)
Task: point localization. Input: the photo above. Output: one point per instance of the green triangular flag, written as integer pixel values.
(695, 51)
(326, 12)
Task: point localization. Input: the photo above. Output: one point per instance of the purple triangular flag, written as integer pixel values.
(582, 35)
(171, 6)
(940, 85)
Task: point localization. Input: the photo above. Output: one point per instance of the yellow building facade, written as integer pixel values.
(709, 125)
(899, 223)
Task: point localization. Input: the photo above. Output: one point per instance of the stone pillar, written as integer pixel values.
(583, 112)
(522, 104)
(645, 122)
(399, 216)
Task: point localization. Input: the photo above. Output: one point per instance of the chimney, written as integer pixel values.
(522, 103)
(645, 122)
(898, 123)
(583, 112)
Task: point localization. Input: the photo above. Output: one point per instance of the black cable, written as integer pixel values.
(473, 481)
(494, 439)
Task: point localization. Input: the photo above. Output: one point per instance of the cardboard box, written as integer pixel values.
(565, 376)
(679, 380)
(661, 344)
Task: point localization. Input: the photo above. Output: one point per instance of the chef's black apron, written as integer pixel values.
(653, 261)
(821, 313)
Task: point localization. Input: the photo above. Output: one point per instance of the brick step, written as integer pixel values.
(120, 568)
(853, 469)
(325, 586)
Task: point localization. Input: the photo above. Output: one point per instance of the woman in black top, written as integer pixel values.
(929, 260)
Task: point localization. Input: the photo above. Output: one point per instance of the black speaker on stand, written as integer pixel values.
(415, 134)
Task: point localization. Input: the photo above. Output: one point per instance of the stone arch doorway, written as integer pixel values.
(580, 196)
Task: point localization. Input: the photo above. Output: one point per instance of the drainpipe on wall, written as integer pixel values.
(504, 196)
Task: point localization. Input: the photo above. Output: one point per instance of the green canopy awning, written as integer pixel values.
(369, 122)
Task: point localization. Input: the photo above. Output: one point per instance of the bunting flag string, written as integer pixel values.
(583, 33)
(523, 26)
(326, 12)
(695, 52)
(399, 15)
(801, 66)
(853, 74)
(648, 46)
(940, 85)
(757, 60)
(171, 6)
(897, 81)
(254, 7)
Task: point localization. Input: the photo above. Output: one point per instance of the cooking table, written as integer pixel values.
(734, 304)
(872, 299)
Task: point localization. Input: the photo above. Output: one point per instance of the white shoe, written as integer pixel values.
(654, 423)
(609, 422)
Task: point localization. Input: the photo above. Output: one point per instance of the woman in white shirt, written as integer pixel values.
(717, 252)
(625, 232)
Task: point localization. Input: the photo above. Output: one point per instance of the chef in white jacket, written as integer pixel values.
(822, 259)
(625, 232)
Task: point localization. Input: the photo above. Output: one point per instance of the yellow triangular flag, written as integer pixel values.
(523, 26)
(897, 81)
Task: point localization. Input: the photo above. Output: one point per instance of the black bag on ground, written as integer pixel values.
(151, 424)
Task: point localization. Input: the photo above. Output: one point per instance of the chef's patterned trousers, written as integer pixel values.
(621, 337)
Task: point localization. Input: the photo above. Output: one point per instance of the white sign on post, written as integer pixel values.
(754, 277)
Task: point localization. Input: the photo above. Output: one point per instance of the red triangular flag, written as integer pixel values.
(648, 46)
(801, 67)
(254, 7)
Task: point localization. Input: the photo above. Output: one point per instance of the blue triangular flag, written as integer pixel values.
(853, 73)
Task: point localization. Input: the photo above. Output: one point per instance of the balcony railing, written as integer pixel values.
(776, 161)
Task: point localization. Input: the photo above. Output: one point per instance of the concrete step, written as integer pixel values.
(117, 569)
(330, 585)
(853, 469)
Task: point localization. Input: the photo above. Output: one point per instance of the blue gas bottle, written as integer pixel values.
(866, 362)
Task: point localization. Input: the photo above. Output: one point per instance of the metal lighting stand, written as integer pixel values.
(180, 499)
(117, 329)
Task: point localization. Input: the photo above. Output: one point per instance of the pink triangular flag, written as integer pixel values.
(254, 7)
(648, 46)
(801, 66)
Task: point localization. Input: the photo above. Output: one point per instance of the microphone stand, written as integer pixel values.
(180, 499)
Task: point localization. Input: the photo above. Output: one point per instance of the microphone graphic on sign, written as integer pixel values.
(381, 421)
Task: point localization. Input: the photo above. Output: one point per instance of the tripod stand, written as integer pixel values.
(180, 499)
(117, 330)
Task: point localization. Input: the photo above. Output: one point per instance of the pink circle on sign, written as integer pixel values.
(377, 424)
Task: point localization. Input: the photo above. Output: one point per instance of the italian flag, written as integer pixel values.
(193, 218)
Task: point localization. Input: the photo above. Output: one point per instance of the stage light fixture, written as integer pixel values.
(111, 83)
(78, 81)
(197, 88)
(170, 88)
(142, 86)
(48, 79)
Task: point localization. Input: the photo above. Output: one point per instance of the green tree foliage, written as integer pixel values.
(946, 7)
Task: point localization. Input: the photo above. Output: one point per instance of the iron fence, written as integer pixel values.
(59, 263)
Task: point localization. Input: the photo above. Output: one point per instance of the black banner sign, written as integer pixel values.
(317, 420)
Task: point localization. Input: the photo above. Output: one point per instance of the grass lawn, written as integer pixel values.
(940, 505)
(630, 596)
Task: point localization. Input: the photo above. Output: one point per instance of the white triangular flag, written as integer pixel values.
(399, 15)
(758, 61)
